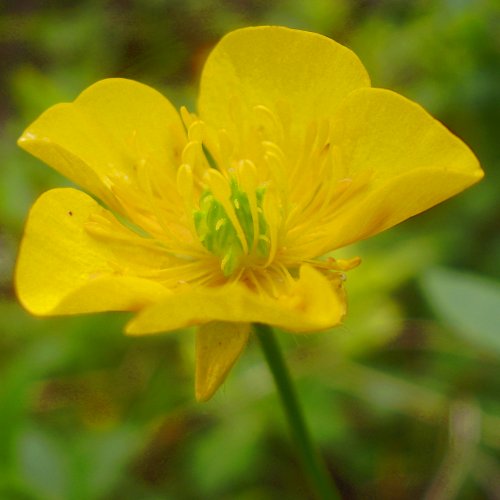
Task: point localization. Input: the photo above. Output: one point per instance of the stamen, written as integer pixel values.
(196, 131)
(187, 117)
(221, 190)
(276, 168)
(192, 153)
(185, 182)
(266, 117)
(271, 215)
(248, 180)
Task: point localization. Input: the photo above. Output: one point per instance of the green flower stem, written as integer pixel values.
(312, 462)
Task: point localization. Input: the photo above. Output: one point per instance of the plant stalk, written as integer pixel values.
(313, 464)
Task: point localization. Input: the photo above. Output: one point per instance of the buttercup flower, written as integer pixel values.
(221, 219)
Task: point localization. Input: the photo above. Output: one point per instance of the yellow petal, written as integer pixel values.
(268, 66)
(312, 303)
(218, 346)
(62, 269)
(102, 136)
(113, 293)
(412, 161)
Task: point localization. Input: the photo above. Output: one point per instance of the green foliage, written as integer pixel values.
(469, 304)
(403, 399)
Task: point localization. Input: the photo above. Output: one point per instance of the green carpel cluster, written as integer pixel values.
(218, 234)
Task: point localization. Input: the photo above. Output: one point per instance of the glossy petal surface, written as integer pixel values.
(99, 140)
(62, 269)
(312, 303)
(273, 66)
(410, 160)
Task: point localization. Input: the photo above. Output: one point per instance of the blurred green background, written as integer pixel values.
(403, 400)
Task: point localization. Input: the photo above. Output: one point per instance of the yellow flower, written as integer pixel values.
(219, 219)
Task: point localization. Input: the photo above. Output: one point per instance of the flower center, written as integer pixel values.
(230, 224)
(253, 201)
(247, 207)
(233, 207)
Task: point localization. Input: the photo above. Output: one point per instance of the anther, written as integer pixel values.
(192, 153)
(264, 114)
(187, 117)
(196, 131)
(185, 181)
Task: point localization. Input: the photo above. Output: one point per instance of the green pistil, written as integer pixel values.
(217, 232)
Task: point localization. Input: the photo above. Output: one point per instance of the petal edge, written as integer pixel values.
(218, 347)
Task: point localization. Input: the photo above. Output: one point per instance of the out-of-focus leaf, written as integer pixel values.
(470, 304)
(44, 464)
(236, 448)
(17, 380)
(101, 459)
(15, 490)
